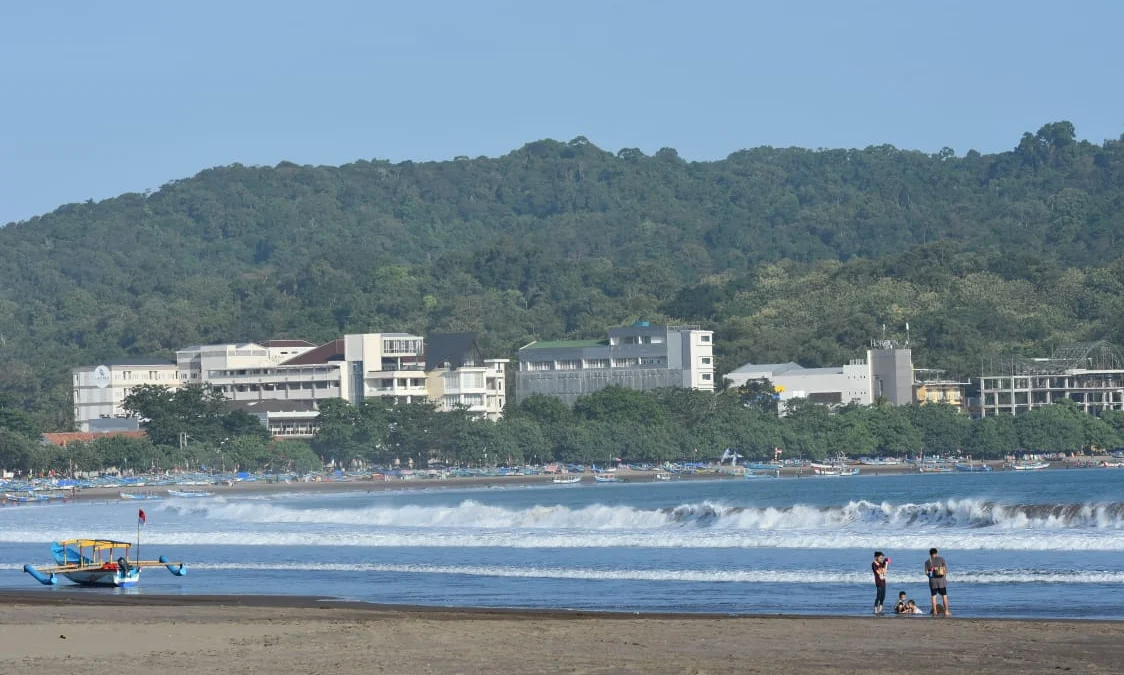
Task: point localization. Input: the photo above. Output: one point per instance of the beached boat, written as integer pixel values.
(833, 470)
(606, 478)
(931, 467)
(190, 493)
(566, 480)
(972, 467)
(97, 562)
(1030, 466)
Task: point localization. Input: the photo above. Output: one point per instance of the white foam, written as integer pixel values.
(952, 513)
(692, 538)
(663, 575)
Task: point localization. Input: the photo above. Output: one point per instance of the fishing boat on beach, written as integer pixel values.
(97, 562)
(566, 480)
(833, 470)
(607, 478)
(972, 467)
(190, 493)
(138, 495)
(1030, 466)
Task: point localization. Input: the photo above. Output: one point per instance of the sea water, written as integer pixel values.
(1018, 544)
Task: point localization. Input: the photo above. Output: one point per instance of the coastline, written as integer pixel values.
(542, 480)
(54, 633)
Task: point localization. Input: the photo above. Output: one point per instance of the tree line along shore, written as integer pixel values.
(611, 426)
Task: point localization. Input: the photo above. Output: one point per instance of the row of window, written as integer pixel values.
(402, 346)
(597, 364)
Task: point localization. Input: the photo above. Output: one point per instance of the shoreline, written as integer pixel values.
(212, 634)
(81, 598)
(113, 494)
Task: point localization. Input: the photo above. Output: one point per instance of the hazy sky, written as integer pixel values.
(97, 99)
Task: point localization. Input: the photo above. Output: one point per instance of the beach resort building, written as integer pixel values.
(640, 356)
(1091, 374)
(99, 391)
(282, 381)
(458, 376)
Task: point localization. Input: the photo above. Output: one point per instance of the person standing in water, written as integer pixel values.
(937, 571)
(879, 568)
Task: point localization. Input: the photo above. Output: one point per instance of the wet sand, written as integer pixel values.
(51, 632)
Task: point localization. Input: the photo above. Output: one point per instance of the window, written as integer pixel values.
(706, 360)
(568, 364)
(597, 363)
(704, 338)
(707, 377)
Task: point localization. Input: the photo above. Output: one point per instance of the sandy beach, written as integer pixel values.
(51, 632)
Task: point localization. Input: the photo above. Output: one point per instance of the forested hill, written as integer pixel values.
(788, 253)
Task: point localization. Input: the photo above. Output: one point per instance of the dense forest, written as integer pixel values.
(788, 254)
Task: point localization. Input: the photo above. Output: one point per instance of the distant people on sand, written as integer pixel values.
(879, 568)
(937, 570)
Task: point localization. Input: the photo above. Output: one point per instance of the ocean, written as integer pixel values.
(1018, 544)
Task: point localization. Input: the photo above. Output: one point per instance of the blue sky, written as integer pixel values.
(97, 99)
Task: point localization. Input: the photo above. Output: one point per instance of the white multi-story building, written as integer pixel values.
(640, 356)
(459, 377)
(99, 391)
(283, 381)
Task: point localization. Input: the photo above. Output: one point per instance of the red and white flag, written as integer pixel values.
(140, 517)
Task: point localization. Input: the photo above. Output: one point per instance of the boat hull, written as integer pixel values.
(104, 578)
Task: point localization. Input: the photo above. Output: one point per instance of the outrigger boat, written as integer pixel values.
(97, 562)
(190, 493)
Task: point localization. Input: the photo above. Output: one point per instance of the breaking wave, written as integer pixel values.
(951, 513)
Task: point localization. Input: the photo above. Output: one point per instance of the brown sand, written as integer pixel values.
(45, 634)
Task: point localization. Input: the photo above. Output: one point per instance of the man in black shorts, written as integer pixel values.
(937, 571)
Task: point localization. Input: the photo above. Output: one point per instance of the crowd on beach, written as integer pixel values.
(936, 571)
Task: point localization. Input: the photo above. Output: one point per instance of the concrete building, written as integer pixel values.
(887, 373)
(932, 386)
(457, 375)
(283, 419)
(842, 385)
(1091, 374)
(641, 356)
(99, 391)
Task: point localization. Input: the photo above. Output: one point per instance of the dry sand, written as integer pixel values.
(85, 633)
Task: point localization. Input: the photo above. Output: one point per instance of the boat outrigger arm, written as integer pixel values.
(97, 562)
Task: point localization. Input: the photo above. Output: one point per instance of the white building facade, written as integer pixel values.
(99, 392)
(283, 381)
(885, 374)
(641, 356)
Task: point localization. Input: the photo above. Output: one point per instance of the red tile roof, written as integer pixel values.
(65, 438)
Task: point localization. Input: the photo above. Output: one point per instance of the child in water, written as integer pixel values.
(902, 607)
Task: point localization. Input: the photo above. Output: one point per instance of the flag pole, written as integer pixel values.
(140, 520)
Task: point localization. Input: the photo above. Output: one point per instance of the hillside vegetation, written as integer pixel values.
(787, 253)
